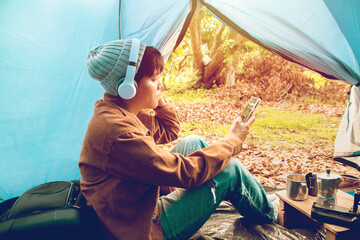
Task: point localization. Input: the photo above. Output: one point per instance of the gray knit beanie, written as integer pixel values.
(108, 63)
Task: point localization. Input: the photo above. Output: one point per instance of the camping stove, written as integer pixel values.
(338, 215)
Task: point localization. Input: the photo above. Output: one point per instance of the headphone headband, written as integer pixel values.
(127, 89)
(134, 51)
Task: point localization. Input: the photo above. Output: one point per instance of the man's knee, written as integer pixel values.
(194, 140)
(232, 172)
(190, 144)
(235, 166)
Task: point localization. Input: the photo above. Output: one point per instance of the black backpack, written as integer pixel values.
(55, 210)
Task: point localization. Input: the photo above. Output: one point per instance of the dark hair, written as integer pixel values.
(152, 62)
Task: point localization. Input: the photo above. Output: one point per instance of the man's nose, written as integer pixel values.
(160, 85)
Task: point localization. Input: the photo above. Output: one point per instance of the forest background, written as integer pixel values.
(212, 74)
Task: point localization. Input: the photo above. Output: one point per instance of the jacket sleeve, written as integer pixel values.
(135, 157)
(163, 125)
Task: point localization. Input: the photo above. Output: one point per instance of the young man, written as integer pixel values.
(123, 170)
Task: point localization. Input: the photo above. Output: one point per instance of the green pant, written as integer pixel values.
(183, 211)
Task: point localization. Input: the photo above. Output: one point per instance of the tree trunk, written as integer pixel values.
(195, 39)
(213, 65)
(209, 72)
(217, 40)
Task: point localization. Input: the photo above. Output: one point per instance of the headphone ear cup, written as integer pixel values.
(127, 90)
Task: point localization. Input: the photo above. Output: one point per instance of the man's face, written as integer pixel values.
(148, 92)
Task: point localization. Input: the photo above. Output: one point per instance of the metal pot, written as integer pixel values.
(296, 187)
(328, 185)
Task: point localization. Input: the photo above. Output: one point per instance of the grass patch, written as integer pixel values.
(276, 128)
(188, 96)
(209, 128)
(292, 127)
(317, 100)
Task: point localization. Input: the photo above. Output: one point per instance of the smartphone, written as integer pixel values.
(250, 108)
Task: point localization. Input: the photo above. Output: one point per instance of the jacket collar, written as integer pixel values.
(118, 103)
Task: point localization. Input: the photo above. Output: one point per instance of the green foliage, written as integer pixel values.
(319, 81)
(227, 48)
(251, 49)
(178, 74)
(209, 25)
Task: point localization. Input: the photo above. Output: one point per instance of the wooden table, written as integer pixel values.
(298, 214)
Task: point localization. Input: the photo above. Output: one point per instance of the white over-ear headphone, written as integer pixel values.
(127, 88)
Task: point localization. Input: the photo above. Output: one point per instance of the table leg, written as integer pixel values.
(290, 217)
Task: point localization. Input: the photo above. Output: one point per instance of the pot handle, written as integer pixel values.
(307, 177)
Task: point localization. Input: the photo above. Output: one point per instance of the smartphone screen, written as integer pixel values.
(250, 108)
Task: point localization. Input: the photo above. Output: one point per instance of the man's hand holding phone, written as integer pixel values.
(250, 108)
(241, 129)
(241, 125)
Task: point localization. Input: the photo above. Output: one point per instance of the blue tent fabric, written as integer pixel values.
(47, 96)
(159, 23)
(347, 15)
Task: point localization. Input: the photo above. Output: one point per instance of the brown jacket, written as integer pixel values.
(122, 167)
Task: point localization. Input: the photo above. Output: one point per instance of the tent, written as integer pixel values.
(47, 96)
